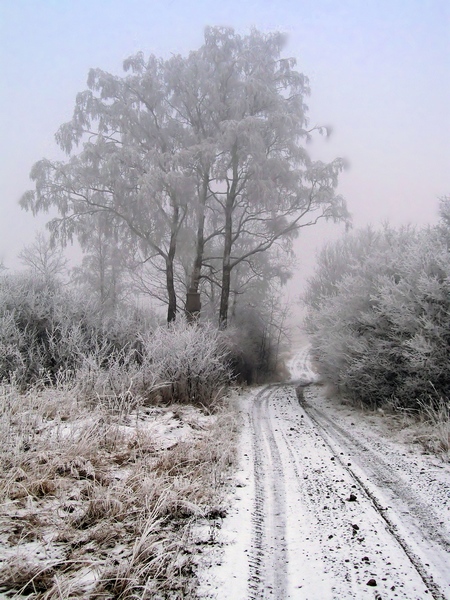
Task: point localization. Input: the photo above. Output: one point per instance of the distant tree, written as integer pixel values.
(44, 258)
(336, 260)
(102, 270)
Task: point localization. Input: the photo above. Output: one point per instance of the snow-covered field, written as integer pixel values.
(330, 502)
(101, 504)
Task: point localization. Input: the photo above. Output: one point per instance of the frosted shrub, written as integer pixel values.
(380, 332)
(47, 329)
(109, 379)
(12, 340)
(190, 361)
(255, 341)
(176, 363)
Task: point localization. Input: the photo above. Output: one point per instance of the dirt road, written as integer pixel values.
(328, 508)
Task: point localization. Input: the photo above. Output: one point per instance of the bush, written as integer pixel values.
(177, 363)
(380, 331)
(255, 341)
(191, 360)
(47, 329)
(48, 332)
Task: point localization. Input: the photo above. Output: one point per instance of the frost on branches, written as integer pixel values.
(378, 314)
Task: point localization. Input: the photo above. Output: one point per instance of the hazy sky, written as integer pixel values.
(379, 74)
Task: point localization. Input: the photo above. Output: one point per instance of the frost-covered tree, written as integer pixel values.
(129, 168)
(102, 272)
(44, 258)
(214, 142)
(245, 105)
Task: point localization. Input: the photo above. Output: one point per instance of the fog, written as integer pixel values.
(379, 75)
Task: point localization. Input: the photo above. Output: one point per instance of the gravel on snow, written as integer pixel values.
(327, 504)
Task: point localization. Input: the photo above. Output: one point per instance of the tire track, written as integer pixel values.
(378, 471)
(325, 426)
(267, 562)
(375, 474)
(281, 426)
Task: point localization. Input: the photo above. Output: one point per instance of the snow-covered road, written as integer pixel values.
(328, 507)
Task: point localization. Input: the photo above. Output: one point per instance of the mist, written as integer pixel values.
(378, 76)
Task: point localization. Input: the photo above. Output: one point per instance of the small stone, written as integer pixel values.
(351, 498)
(372, 582)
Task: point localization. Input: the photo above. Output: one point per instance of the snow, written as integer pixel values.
(226, 571)
(324, 509)
(162, 428)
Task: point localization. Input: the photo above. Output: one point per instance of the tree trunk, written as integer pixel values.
(171, 296)
(228, 241)
(170, 284)
(226, 265)
(193, 296)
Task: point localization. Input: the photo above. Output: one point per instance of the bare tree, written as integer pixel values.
(43, 257)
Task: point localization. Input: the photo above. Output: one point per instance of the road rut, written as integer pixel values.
(318, 530)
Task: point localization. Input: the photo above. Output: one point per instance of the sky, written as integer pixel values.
(379, 75)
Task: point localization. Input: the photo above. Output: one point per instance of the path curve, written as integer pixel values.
(326, 508)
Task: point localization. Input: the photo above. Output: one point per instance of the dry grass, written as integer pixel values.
(433, 429)
(96, 504)
(428, 426)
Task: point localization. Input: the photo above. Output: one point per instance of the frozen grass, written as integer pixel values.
(433, 428)
(99, 503)
(429, 425)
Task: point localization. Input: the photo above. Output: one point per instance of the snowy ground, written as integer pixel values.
(101, 504)
(330, 503)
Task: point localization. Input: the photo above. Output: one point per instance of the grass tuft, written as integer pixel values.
(100, 503)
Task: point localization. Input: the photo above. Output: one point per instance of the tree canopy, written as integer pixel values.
(197, 165)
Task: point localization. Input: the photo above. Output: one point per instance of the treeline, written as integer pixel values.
(379, 315)
(53, 332)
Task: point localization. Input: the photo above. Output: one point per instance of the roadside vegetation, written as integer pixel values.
(378, 314)
(117, 440)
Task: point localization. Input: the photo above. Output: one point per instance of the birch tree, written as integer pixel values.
(129, 167)
(213, 142)
(257, 184)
